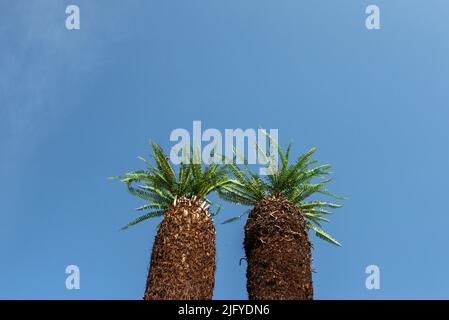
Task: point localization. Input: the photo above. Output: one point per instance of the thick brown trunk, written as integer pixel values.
(278, 252)
(183, 258)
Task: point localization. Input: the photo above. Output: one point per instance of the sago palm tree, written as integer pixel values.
(183, 257)
(276, 243)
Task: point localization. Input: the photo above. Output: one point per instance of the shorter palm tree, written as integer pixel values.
(276, 243)
(183, 257)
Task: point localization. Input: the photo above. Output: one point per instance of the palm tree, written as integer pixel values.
(276, 243)
(183, 257)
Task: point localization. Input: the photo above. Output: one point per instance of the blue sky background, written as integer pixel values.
(79, 106)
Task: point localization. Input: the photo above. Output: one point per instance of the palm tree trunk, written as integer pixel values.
(278, 252)
(183, 258)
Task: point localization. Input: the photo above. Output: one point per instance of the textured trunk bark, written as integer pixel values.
(278, 252)
(183, 258)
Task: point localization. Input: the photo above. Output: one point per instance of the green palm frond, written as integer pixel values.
(295, 181)
(159, 184)
(144, 217)
(236, 218)
(320, 233)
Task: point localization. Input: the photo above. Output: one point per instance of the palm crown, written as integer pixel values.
(159, 184)
(293, 181)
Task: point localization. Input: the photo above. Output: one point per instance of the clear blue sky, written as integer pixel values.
(79, 106)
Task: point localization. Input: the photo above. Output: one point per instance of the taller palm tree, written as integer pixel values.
(183, 257)
(276, 243)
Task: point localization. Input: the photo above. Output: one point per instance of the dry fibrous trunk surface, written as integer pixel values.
(183, 257)
(278, 252)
